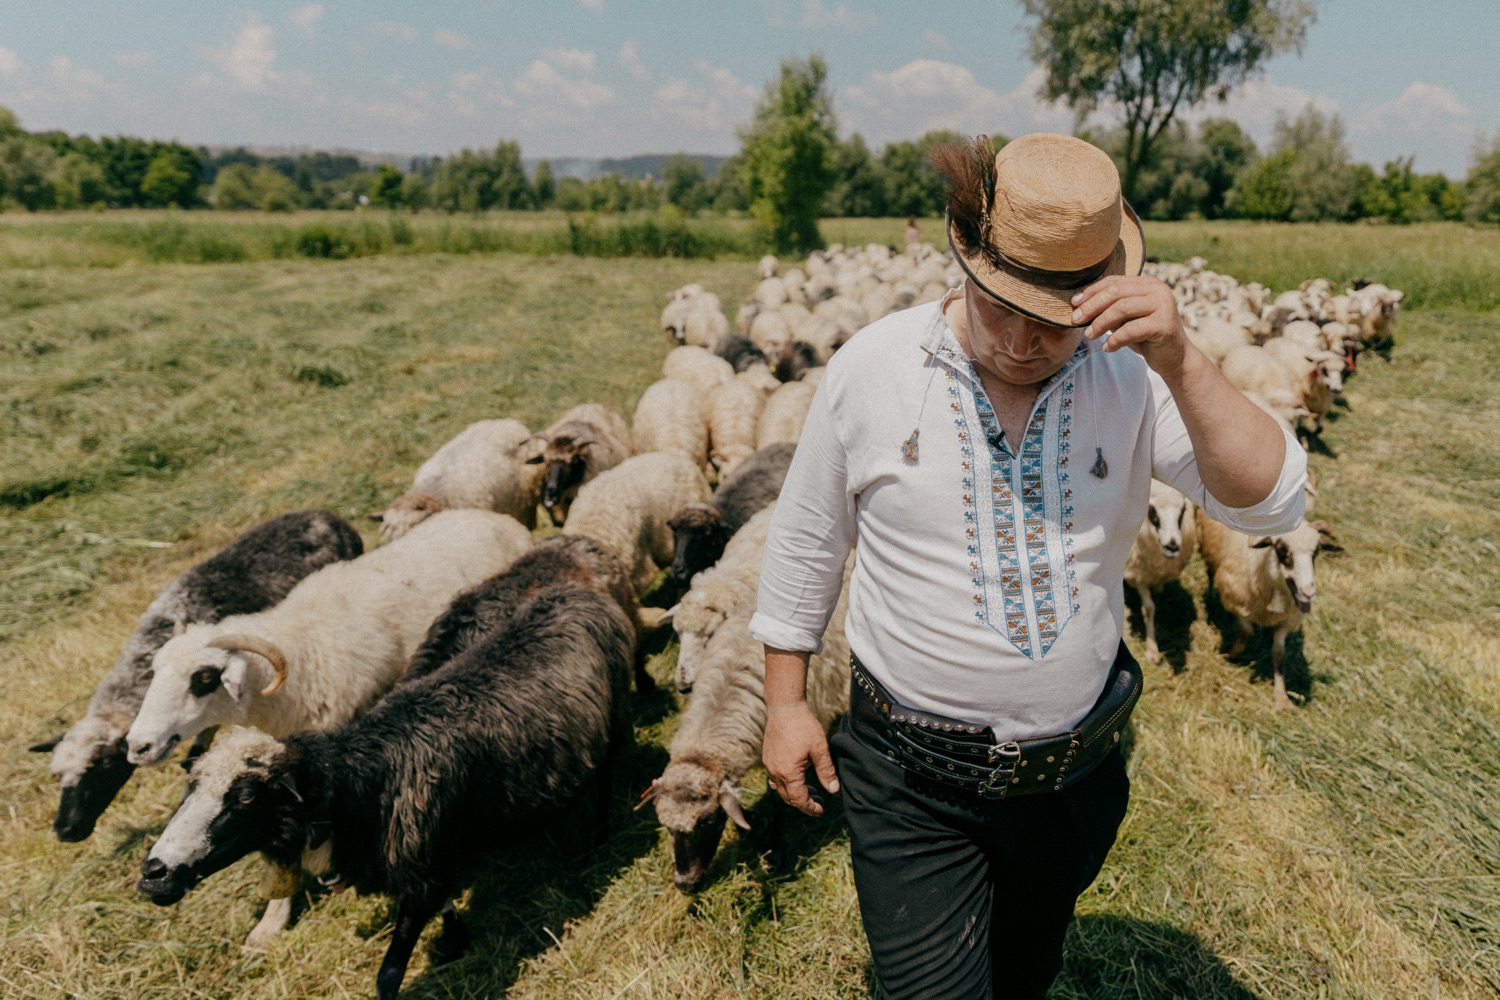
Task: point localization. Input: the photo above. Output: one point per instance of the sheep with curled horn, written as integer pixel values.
(508, 735)
(334, 645)
(250, 574)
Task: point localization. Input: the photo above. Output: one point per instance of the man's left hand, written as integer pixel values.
(1136, 312)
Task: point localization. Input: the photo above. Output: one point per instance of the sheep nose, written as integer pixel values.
(1171, 548)
(141, 752)
(153, 868)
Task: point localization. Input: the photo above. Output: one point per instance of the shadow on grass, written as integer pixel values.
(1257, 653)
(1175, 613)
(1109, 956)
(522, 897)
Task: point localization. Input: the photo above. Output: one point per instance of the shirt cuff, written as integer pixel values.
(779, 635)
(1280, 511)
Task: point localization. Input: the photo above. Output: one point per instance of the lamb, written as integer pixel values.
(250, 574)
(733, 412)
(702, 530)
(488, 466)
(589, 439)
(507, 736)
(1163, 547)
(669, 417)
(1265, 581)
(698, 367)
(627, 509)
(719, 738)
(784, 415)
(334, 644)
(717, 594)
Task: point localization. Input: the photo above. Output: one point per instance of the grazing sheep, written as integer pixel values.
(669, 417)
(704, 323)
(700, 531)
(250, 574)
(718, 593)
(627, 509)
(1265, 581)
(719, 738)
(770, 332)
(767, 267)
(488, 466)
(784, 415)
(699, 367)
(585, 441)
(1163, 547)
(796, 358)
(740, 352)
(733, 411)
(509, 735)
(761, 378)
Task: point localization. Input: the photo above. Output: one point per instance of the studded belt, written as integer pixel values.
(967, 756)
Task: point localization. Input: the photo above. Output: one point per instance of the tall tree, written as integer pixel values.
(1154, 58)
(1482, 186)
(787, 154)
(684, 183)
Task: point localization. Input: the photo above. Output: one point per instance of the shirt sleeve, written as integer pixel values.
(1173, 463)
(811, 532)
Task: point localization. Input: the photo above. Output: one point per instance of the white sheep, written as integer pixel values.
(669, 417)
(733, 412)
(627, 509)
(1265, 581)
(488, 466)
(697, 366)
(1163, 547)
(784, 414)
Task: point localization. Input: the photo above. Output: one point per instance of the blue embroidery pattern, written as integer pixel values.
(1025, 584)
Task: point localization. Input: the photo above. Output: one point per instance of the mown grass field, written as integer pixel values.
(149, 411)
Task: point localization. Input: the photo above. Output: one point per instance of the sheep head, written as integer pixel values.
(405, 513)
(693, 798)
(1170, 515)
(90, 763)
(566, 461)
(241, 796)
(199, 679)
(698, 539)
(1294, 555)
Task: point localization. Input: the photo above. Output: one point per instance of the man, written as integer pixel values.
(991, 455)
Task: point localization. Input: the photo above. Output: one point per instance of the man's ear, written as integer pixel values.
(233, 677)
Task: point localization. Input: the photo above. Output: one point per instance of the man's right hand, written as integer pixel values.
(794, 738)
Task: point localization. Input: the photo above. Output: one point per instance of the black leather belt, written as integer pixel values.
(967, 756)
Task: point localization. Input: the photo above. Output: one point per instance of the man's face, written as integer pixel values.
(1014, 348)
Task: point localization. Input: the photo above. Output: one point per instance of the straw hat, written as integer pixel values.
(1055, 224)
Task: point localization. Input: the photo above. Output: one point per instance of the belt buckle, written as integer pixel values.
(1004, 756)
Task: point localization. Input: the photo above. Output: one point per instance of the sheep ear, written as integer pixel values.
(1262, 543)
(729, 799)
(651, 792)
(233, 677)
(46, 746)
(287, 782)
(178, 626)
(668, 615)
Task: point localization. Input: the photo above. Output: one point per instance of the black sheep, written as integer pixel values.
(740, 352)
(508, 735)
(250, 574)
(701, 530)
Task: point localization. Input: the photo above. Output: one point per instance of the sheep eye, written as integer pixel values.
(1152, 516)
(205, 682)
(245, 794)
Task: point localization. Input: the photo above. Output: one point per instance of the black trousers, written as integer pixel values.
(966, 898)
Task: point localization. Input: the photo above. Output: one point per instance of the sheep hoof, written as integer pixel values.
(452, 942)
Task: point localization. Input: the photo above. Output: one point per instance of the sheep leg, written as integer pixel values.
(453, 940)
(412, 915)
(278, 914)
(1148, 618)
(1279, 697)
(1241, 637)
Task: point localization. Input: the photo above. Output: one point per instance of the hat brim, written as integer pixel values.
(1053, 306)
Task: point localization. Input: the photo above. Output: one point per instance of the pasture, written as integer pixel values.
(150, 410)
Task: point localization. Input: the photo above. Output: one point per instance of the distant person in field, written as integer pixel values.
(991, 456)
(913, 234)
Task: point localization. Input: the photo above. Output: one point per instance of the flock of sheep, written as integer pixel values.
(386, 714)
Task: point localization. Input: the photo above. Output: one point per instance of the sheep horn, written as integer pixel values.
(729, 800)
(242, 641)
(651, 792)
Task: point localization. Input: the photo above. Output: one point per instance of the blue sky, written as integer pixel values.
(619, 77)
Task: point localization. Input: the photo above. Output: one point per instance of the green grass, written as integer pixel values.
(149, 411)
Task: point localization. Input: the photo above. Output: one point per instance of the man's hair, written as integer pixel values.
(970, 171)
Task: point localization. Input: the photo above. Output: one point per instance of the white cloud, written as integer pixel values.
(396, 30)
(75, 83)
(1424, 120)
(545, 86)
(592, 6)
(471, 93)
(141, 58)
(933, 42)
(572, 60)
(630, 58)
(387, 112)
(10, 63)
(712, 104)
(451, 39)
(928, 94)
(1256, 104)
(247, 61)
(305, 19)
(843, 17)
